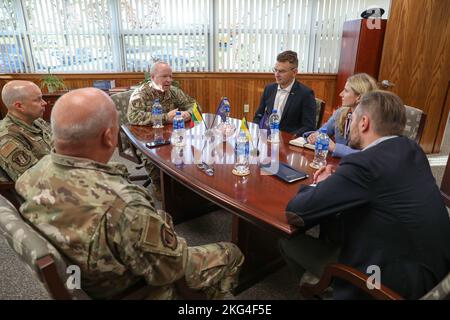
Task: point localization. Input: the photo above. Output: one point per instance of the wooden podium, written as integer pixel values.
(361, 48)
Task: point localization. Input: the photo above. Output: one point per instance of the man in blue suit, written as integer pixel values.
(295, 102)
(392, 216)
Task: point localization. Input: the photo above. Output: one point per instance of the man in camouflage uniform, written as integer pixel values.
(24, 136)
(172, 99)
(107, 225)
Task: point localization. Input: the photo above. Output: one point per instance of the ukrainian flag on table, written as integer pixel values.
(196, 116)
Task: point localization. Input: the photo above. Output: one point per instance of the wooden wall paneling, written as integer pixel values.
(243, 88)
(206, 88)
(369, 56)
(361, 50)
(435, 101)
(443, 123)
(415, 58)
(347, 59)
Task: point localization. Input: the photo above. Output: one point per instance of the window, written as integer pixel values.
(192, 35)
(65, 36)
(171, 30)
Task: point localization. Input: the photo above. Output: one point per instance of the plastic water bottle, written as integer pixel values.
(178, 157)
(321, 150)
(274, 125)
(179, 132)
(242, 154)
(157, 114)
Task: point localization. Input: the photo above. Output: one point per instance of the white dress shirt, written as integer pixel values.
(379, 140)
(281, 98)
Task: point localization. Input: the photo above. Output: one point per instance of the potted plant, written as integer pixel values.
(52, 82)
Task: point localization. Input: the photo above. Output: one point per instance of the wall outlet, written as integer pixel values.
(246, 108)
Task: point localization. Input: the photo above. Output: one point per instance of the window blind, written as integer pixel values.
(175, 31)
(191, 35)
(252, 32)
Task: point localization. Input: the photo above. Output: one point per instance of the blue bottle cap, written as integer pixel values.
(274, 111)
(178, 113)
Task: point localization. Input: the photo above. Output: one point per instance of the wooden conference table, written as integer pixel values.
(256, 202)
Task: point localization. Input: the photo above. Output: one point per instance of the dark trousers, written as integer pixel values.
(305, 253)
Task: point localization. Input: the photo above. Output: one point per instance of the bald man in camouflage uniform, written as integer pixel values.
(172, 99)
(24, 136)
(107, 225)
(160, 87)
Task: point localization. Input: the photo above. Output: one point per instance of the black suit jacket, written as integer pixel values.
(392, 215)
(299, 114)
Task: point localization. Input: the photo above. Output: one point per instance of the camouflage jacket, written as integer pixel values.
(104, 224)
(141, 102)
(22, 145)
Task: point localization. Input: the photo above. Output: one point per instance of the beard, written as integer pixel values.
(355, 140)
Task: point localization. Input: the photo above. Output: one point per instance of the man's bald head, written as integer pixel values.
(82, 114)
(85, 124)
(17, 90)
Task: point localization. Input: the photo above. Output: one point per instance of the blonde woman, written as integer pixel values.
(338, 126)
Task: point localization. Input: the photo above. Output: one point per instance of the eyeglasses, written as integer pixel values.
(275, 70)
(209, 170)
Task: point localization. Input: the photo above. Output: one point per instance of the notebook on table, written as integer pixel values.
(301, 142)
(285, 172)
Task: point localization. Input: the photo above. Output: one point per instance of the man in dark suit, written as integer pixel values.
(295, 102)
(392, 215)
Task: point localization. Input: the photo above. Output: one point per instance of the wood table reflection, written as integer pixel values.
(256, 201)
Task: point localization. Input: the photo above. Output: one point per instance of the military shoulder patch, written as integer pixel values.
(7, 148)
(21, 158)
(168, 237)
(150, 235)
(158, 237)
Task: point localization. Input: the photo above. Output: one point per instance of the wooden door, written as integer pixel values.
(361, 49)
(416, 59)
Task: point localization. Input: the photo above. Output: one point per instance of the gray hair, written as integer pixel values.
(153, 69)
(12, 92)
